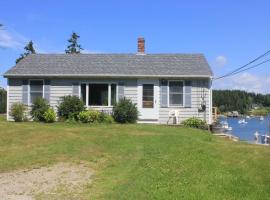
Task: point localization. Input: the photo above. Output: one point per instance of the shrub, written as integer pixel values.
(108, 119)
(70, 107)
(89, 116)
(101, 117)
(18, 112)
(50, 116)
(39, 107)
(105, 118)
(195, 123)
(125, 111)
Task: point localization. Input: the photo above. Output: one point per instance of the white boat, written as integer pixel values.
(242, 121)
(226, 126)
(248, 117)
(261, 118)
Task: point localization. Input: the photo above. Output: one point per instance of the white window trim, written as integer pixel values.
(109, 93)
(168, 95)
(29, 88)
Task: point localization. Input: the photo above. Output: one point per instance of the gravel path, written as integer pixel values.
(26, 184)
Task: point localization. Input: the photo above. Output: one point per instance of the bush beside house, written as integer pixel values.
(125, 111)
(38, 109)
(194, 122)
(70, 107)
(94, 116)
(49, 116)
(18, 112)
(89, 116)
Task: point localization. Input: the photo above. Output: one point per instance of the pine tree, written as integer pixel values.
(74, 47)
(29, 48)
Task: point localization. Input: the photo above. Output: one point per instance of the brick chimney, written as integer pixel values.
(141, 45)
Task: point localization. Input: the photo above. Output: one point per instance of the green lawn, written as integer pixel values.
(142, 161)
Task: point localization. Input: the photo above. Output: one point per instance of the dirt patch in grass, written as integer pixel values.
(27, 184)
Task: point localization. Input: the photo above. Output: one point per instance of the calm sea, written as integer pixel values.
(246, 131)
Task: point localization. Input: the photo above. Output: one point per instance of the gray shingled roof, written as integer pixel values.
(127, 65)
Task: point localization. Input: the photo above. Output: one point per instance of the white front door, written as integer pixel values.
(148, 101)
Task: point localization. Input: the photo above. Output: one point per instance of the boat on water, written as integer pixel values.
(229, 128)
(242, 121)
(261, 118)
(226, 126)
(248, 117)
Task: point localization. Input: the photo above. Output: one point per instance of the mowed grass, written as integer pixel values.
(142, 161)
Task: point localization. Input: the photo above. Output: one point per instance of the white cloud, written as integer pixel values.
(221, 61)
(245, 81)
(11, 39)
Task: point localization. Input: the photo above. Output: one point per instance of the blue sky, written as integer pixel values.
(229, 33)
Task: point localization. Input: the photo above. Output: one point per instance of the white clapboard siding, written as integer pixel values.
(59, 88)
(130, 90)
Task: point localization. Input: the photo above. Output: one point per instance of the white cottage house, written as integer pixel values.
(160, 84)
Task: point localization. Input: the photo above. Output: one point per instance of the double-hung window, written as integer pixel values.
(176, 93)
(98, 94)
(36, 89)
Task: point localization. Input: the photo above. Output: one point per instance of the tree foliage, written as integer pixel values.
(242, 101)
(3, 100)
(73, 47)
(29, 49)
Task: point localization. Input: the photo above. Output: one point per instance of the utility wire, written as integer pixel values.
(239, 68)
(252, 67)
(237, 72)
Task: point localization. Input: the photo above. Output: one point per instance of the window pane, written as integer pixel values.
(176, 86)
(83, 93)
(36, 89)
(175, 93)
(36, 86)
(33, 96)
(176, 99)
(113, 94)
(98, 94)
(148, 96)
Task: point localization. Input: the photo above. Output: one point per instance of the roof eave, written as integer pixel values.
(102, 75)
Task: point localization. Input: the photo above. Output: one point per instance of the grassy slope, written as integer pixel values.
(143, 161)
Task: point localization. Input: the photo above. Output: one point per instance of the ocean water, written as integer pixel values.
(246, 131)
